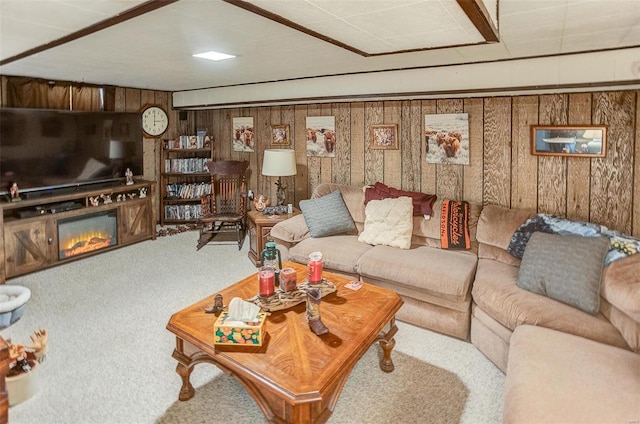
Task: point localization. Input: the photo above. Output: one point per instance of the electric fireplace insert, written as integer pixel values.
(87, 233)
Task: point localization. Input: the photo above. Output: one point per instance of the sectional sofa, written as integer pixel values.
(562, 364)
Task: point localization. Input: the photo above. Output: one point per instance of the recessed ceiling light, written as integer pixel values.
(214, 55)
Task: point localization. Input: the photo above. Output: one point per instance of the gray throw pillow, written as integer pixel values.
(327, 215)
(567, 268)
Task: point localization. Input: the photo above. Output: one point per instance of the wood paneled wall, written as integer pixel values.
(502, 170)
(132, 100)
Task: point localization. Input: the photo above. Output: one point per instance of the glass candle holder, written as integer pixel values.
(314, 268)
(288, 279)
(266, 281)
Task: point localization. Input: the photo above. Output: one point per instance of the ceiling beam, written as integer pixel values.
(136, 11)
(474, 9)
(250, 7)
(479, 16)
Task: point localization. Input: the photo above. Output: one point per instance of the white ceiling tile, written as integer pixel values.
(154, 50)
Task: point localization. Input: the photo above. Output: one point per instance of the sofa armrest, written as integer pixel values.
(292, 230)
(288, 233)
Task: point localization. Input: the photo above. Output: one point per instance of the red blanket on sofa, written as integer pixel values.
(422, 203)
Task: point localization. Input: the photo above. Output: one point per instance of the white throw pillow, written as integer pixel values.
(388, 222)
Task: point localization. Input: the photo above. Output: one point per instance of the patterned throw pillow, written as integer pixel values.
(567, 268)
(327, 215)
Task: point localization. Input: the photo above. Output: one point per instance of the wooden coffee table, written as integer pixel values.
(296, 376)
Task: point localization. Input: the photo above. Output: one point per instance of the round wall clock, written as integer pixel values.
(155, 120)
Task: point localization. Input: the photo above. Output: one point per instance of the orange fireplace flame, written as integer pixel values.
(85, 242)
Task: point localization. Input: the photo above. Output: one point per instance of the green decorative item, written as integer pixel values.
(270, 256)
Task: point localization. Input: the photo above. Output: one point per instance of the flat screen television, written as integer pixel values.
(45, 150)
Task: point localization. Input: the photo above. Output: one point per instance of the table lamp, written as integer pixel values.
(279, 163)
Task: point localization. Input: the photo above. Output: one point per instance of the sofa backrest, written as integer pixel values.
(426, 232)
(495, 228)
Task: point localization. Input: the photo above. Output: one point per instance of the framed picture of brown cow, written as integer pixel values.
(242, 134)
(447, 138)
(321, 136)
(383, 137)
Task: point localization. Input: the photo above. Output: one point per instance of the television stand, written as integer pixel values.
(30, 228)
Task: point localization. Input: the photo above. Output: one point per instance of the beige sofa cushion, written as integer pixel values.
(495, 292)
(621, 291)
(497, 224)
(621, 285)
(292, 230)
(445, 273)
(629, 328)
(553, 377)
(339, 252)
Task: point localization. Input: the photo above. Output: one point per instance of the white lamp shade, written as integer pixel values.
(279, 162)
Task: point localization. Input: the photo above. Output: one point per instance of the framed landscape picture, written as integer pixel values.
(586, 141)
(383, 137)
(280, 135)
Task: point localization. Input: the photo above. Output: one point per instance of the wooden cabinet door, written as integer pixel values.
(135, 222)
(29, 246)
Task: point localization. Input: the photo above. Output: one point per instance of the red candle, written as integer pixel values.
(267, 281)
(314, 268)
(288, 279)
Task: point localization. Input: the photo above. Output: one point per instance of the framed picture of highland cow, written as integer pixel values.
(383, 137)
(321, 136)
(242, 134)
(447, 138)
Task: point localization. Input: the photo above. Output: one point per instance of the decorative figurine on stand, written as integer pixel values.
(314, 296)
(107, 198)
(14, 192)
(129, 176)
(218, 305)
(143, 192)
(94, 200)
(261, 202)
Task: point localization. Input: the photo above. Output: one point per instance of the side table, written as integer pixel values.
(259, 226)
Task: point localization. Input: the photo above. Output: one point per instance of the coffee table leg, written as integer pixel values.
(188, 357)
(387, 343)
(186, 391)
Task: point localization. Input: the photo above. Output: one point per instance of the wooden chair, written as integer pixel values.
(224, 210)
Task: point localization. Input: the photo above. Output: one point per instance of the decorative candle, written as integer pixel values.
(314, 268)
(288, 279)
(267, 281)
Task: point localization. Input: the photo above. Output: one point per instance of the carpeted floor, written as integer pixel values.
(110, 361)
